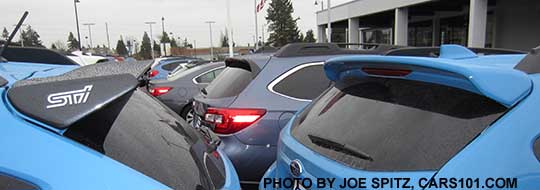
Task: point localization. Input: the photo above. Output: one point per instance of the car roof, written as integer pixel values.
(485, 73)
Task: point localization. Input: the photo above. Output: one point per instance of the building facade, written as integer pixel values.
(513, 24)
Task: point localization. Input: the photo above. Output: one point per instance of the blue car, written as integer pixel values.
(457, 121)
(94, 128)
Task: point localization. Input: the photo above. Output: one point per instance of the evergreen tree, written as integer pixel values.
(165, 38)
(5, 34)
(54, 47)
(283, 27)
(121, 48)
(187, 44)
(224, 39)
(146, 47)
(301, 38)
(31, 38)
(310, 37)
(173, 43)
(72, 42)
(157, 49)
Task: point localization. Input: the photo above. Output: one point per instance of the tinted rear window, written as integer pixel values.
(229, 83)
(402, 125)
(307, 83)
(144, 135)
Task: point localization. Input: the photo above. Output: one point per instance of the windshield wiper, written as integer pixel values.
(339, 147)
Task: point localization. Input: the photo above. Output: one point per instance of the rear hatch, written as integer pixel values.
(395, 117)
(105, 108)
(222, 92)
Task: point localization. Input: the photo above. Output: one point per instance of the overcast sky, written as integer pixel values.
(54, 19)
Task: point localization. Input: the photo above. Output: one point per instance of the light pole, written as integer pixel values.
(256, 26)
(77, 21)
(151, 38)
(211, 40)
(229, 25)
(329, 13)
(21, 33)
(108, 39)
(90, 32)
(163, 29)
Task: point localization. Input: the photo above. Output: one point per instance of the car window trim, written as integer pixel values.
(276, 81)
(194, 79)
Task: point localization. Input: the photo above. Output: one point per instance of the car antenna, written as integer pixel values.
(6, 44)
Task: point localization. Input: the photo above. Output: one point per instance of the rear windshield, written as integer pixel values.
(159, 144)
(229, 83)
(393, 124)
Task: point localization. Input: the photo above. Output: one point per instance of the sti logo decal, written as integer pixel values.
(74, 97)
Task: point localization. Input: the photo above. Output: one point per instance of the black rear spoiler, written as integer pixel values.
(245, 64)
(61, 101)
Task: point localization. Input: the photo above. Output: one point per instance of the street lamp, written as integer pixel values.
(77, 21)
(211, 40)
(151, 37)
(90, 32)
(163, 33)
(329, 17)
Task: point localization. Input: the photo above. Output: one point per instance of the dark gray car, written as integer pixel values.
(181, 85)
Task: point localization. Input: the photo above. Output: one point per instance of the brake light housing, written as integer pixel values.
(232, 120)
(387, 72)
(158, 91)
(153, 73)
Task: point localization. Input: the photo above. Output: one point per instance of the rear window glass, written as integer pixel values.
(395, 124)
(230, 82)
(306, 83)
(157, 145)
(171, 66)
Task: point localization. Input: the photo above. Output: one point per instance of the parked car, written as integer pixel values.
(255, 96)
(84, 59)
(459, 116)
(178, 89)
(162, 67)
(94, 128)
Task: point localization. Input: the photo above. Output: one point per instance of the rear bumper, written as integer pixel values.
(232, 182)
(251, 161)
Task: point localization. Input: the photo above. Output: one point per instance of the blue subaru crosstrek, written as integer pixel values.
(94, 128)
(457, 121)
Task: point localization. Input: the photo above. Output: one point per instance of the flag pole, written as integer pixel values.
(256, 26)
(230, 31)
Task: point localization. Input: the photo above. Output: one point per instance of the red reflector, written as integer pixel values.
(228, 121)
(153, 73)
(387, 72)
(158, 91)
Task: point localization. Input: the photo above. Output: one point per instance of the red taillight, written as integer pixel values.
(158, 91)
(228, 121)
(387, 72)
(153, 73)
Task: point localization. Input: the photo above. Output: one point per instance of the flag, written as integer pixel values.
(260, 5)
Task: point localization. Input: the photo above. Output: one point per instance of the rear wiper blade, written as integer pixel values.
(339, 147)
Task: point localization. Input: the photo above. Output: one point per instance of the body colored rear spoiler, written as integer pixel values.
(506, 86)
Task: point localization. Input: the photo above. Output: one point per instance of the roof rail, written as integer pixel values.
(318, 49)
(436, 51)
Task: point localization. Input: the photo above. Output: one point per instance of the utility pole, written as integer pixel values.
(151, 38)
(108, 39)
(163, 29)
(329, 22)
(211, 40)
(262, 40)
(90, 32)
(256, 26)
(195, 48)
(229, 25)
(77, 21)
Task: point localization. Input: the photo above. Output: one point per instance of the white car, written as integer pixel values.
(86, 59)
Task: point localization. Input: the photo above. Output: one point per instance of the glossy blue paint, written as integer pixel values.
(505, 149)
(482, 78)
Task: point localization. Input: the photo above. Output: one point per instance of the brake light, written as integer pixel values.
(387, 72)
(228, 121)
(153, 73)
(158, 91)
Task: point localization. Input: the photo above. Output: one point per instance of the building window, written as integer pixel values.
(377, 35)
(421, 34)
(454, 30)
